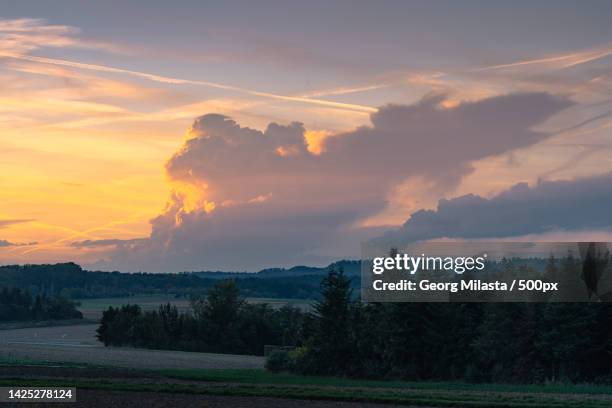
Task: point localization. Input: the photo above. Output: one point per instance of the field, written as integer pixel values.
(202, 387)
(77, 344)
(92, 308)
(153, 399)
(70, 355)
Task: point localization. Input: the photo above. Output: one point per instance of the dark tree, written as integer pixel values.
(330, 348)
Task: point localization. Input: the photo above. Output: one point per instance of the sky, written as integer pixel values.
(178, 136)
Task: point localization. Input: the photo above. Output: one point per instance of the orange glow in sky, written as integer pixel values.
(88, 122)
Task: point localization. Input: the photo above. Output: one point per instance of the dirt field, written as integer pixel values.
(77, 344)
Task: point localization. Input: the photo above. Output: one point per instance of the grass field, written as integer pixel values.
(71, 356)
(93, 308)
(258, 383)
(266, 377)
(77, 344)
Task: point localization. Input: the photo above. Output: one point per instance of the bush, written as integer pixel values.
(298, 360)
(278, 361)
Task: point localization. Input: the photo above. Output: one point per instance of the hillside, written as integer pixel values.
(70, 280)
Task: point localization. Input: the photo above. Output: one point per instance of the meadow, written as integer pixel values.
(77, 344)
(92, 308)
(70, 355)
(233, 384)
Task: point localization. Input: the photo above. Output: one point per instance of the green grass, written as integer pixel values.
(20, 362)
(439, 398)
(262, 377)
(10, 362)
(265, 377)
(26, 324)
(93, 308)
(305, 303)
(262, 383)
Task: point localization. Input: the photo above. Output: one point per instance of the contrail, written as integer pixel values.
(180, 81)
(566, 61)
(86, 233)
(343, 91)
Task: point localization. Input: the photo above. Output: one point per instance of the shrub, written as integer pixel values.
(300, 360)
(278, 361)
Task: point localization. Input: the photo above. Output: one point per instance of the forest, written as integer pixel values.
(222, 322)
(475, 342)
(69, 280)
(19, 305)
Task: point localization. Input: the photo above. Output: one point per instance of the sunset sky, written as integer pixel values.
(172, 136)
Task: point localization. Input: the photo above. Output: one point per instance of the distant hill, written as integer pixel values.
(70, 280)
(351, 268)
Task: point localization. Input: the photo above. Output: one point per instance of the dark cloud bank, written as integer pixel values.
(582, 204)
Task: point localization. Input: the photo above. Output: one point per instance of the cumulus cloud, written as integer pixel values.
(245, 198)
(549, 209)
(233, 163)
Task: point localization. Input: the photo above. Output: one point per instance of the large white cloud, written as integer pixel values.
(246, 199)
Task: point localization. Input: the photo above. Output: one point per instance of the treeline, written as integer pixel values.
(71, 281)
(18, 305)
(479, 342)
(222, 322)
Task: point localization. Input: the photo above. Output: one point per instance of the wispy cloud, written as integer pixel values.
(557, 61)
(21, 25)
(84, 234)
(4, 244)
(343, 90)
(96, 243)
(18, 38)
(181, 81)
(7, 223)
(28, 34)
